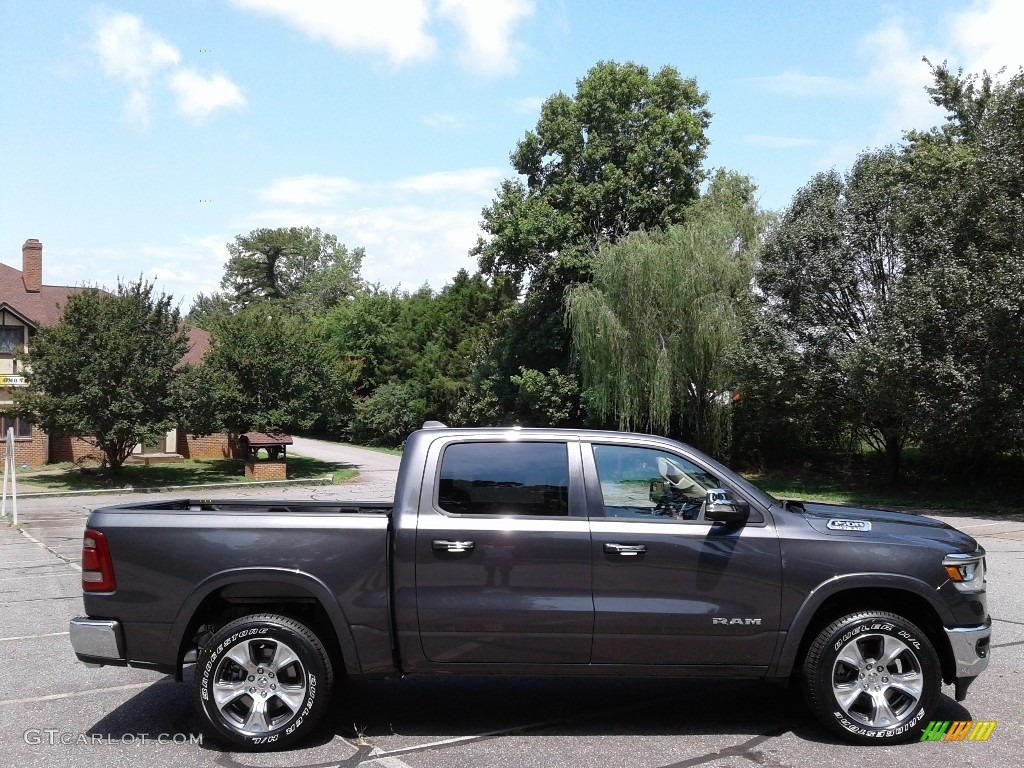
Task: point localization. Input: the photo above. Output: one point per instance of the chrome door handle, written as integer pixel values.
(625, 550)
(454, 547)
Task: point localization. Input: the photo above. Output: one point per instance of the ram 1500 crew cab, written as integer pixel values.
(537, 552)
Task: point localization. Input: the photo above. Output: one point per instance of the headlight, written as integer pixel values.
(967, 572)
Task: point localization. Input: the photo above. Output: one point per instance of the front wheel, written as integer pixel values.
(262, 681)
(873, 678)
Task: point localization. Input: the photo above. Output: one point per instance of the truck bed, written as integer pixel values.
(257, 507)
(174, 557)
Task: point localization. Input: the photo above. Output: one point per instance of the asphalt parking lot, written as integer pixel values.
(54, 711)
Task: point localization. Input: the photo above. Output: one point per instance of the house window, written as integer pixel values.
(12, 337)
(22, 427)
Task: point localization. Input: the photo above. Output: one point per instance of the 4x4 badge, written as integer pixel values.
(848, 525)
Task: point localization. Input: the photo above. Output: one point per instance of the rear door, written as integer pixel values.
(503, 554)
(670, 587)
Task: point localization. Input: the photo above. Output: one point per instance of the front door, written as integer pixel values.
(503, 571)
(670, 587)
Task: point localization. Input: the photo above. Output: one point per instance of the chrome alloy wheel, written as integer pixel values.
(877, 680)
(259, 685)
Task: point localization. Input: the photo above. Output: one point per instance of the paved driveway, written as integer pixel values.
(377, 471)
(56, 712)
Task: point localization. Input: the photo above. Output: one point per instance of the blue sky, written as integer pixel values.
(141, 137)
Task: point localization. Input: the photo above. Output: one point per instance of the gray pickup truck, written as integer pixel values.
(537, 552)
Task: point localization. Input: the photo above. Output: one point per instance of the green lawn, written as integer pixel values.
(999, 494)
(67, 477)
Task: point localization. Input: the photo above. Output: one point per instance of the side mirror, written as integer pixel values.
(720, 507)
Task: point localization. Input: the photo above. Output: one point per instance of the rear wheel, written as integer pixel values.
(263, 681)
(873, 678)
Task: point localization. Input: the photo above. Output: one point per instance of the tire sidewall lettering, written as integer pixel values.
(861, 628)
(310, 657)
(878, 733)
(819, 668)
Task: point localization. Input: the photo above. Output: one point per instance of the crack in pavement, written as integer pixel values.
(743, 749)
(369, 753)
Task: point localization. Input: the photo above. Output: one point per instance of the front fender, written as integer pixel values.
(786, 655)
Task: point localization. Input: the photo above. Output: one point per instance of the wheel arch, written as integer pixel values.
(230, 594)
(901, 595)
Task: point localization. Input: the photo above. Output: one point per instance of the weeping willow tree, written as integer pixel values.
(654, 330)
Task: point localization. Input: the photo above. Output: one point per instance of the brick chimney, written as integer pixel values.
(32, 265)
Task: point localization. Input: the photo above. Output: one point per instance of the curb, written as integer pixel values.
(325, 480)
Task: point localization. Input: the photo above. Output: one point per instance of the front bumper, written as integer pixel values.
(98, 642)
(970, 647)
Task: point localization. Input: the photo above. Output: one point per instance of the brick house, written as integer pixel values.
(26, 305)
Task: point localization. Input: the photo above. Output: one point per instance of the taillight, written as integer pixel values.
(97, 569)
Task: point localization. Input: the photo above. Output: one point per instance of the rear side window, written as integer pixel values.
(504, 479)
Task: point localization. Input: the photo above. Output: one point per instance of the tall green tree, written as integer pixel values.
(834, 284)
(655, 329)
(965, 208)
(105, 371)
(206, 308)
(624, 153)
(267, 372)
(304, 266)
(421, 349)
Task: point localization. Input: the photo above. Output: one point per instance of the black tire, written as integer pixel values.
(262, 682)
(873, 678)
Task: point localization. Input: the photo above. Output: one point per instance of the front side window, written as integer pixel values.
(504, 479)
(650, 484)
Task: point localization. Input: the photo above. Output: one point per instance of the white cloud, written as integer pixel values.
(130, 53)
(199, 97)
(134, 55)
(487, 28)
(987, 36)
(899, 77)
(415, 230)
(528, 105)
(477, 182)
(309, 190)
(448, 121)
(395, 28)
(182, 270)
(136, 108)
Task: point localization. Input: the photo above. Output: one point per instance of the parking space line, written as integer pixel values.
(75, 694)
(28, 566)
(45, 548)
(518, 729)
(40, 599)
(33, 637)
(385, 762)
